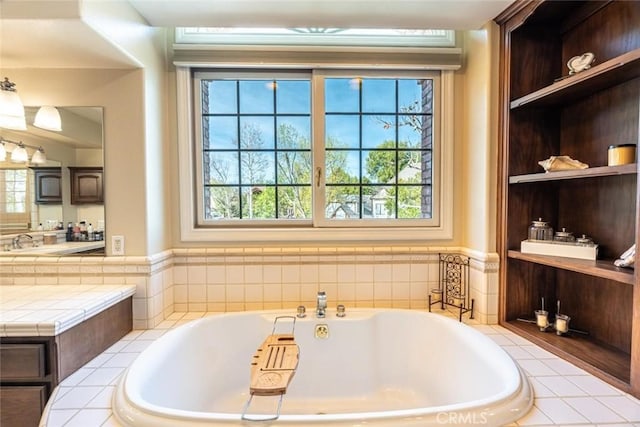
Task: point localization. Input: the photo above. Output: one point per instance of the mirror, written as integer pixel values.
(78, 147)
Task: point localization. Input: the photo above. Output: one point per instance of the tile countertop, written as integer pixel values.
(48, 310)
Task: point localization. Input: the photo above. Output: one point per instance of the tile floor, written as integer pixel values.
(565, 394)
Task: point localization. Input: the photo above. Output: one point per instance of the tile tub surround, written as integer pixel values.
(254, 278)
(49, 310)
(565, 394)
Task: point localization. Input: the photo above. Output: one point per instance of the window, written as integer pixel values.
(255, 148)
(255, 145)
(14, 209)
(315, 154)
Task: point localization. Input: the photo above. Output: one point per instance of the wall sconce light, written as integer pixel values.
(11, 108)
(48, 118)
(19, 153)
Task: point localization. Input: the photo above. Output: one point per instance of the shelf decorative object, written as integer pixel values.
(453, 285)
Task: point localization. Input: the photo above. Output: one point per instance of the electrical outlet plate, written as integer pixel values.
(117, 245)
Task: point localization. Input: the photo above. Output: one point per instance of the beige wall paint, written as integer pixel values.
(141, 178)
(476, 102)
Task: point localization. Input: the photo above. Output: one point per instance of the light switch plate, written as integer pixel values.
(117, 245)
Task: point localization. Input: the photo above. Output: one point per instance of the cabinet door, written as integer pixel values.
(22, 406)
(48, 184)
(86, 185)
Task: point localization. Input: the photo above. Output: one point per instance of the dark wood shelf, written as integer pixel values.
(608, 363)
(610, 73)
(598, 268)
(574, 174)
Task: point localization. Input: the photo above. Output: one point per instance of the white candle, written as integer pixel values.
(542, 319)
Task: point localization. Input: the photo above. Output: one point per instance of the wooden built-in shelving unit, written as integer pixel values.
(546, 112)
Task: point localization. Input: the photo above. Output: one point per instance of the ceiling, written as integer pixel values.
(407, 14)
(54, 33)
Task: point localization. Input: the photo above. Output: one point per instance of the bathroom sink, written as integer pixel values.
(57, 249)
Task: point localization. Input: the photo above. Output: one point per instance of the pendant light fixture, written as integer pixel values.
(11, 108)
(19, 153)
(48, 118)
(38, 157)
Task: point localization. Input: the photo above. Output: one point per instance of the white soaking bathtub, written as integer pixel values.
(376, 368)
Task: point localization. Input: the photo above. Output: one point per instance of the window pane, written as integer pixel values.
(256, 132)
(294, 167)
(392, 120)
(258, 202)
(294, 202)
(293, 96)
(342, 95)
(410, 96)
(409, 202)
(379, 166)
(378, 202)
(414, 131)
(294, 132)
(342, 166)
(342, 131)
(410, 170)
(378, 96)
(220, 168)
(221, 132)
(342, 202)
(221, 203)
(220, 97)
(256, 96)
(378, 131)
(257, 167)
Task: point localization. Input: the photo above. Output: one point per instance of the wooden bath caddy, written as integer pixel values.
(274, 365)
(272, 368)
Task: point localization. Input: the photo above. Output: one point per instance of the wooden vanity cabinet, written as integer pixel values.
(48, 185)
(31, 367)
(86, 185)
(546, 112)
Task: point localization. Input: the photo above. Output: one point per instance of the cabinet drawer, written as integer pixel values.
(22, 361)
(22, 406)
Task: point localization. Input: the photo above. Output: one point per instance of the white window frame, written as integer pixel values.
(440, 229)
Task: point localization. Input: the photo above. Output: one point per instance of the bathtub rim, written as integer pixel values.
(518, 400)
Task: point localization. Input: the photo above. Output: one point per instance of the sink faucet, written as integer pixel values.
(321, 304)
(16, 240)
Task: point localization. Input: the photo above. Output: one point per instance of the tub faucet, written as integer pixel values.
(321, 304)
(15, 243)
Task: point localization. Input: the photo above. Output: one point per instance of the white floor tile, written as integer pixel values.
(535, 367)
(539, 389)
(627, 407)
(151, 334)
(58, 417)
(535, 417)
(102, 399)
(538, 352)
(561, 386)
(77, 397)
(501, 339)
(559, 411)
(517, 352)
(111, 422)
(89, 417)
(77, 376)
(102, 376)
(120, 360)
(594, 386)
(563, 367)
(593, 410)
(136, 346)
(97, 361)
